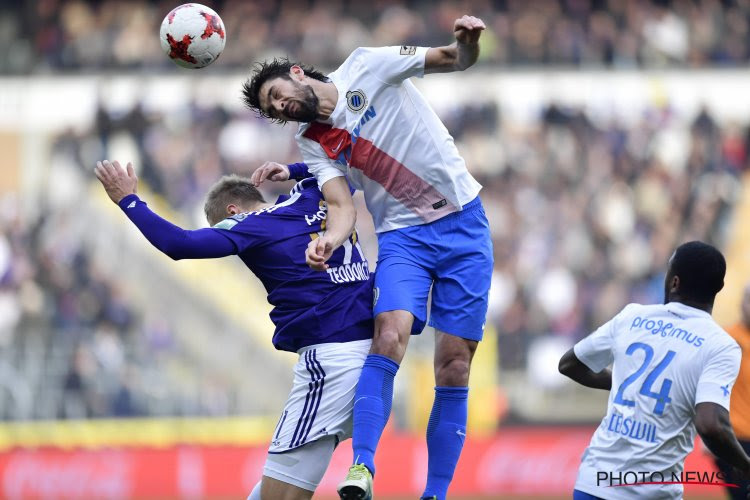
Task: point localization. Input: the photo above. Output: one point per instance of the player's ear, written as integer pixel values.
(233, 209)
(674, 285)
(297, 72)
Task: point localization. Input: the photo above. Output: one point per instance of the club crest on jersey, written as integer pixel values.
(356, 100)
(408, 50)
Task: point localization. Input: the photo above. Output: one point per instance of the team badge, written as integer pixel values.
(356, 100)
(408, 50)
(375, 296)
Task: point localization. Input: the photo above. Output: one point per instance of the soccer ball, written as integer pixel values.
(192, 35)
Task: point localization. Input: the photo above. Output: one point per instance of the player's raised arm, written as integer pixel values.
(339, 223)
(175, 242)
(459, 55)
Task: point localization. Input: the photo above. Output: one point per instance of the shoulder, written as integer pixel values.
(725, 342)
(307, 188)
(634, 309)
(363, 58)
(230, 222)
(247, 223)
(359, 54)
(718, 342)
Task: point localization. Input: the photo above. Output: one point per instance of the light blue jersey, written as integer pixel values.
(666, 359)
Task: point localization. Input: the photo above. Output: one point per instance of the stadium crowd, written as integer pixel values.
(73, 342)
(583, 218)
(51, 35)
(584, 214)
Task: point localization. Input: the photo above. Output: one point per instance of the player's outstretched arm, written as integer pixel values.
(572, 367)
(339, 223)
(175, 242)
(713, 425)
(459, 55)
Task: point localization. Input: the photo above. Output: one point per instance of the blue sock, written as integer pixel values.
(446, 432)
(372, 407)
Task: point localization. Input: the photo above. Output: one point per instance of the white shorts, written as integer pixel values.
(319, 405)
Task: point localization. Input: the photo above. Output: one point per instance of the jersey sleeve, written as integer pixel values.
(299, 171)
(318, 162)
(393, 65)
(172, 240)
(719, 374)
(597, 350)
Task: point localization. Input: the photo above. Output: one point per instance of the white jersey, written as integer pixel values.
(385, 137)
(666, 359)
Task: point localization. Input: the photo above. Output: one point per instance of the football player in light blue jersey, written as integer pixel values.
(366, 123)
(672, 372)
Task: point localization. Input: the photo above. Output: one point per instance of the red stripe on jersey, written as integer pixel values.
(404, 185)
(334, 141)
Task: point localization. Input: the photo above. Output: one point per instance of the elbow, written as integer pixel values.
(462, 65)
(567, 363)
(174, 252)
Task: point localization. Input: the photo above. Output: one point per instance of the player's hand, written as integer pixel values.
(467, 29)
(269, 170)
(118, 183)
(318, 252)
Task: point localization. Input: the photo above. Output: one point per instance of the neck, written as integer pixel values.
(260, 206)
(328, 96)
(703, 306)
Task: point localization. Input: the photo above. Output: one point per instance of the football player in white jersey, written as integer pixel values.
(367, 122)
(672, 372)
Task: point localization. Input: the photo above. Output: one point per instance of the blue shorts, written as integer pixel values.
(453, 255)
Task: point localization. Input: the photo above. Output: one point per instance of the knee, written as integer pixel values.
(453, 371)
(391, 337)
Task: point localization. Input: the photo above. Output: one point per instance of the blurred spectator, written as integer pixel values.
(584, 214)
(583, 218)
(51, 35)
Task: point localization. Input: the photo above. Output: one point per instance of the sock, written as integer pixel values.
(446, 432)
(372, 407)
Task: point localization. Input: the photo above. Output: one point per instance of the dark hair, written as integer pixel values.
(229, 189)
(268, 70)
(701, 269)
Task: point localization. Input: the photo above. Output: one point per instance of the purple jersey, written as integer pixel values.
(310, 307)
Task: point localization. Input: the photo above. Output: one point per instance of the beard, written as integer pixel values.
(305, 105)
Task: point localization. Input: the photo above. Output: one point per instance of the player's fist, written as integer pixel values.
(467, 29)
(118, 183)
(318, 252)
(269, 170)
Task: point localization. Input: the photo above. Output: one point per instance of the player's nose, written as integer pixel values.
(278, 106)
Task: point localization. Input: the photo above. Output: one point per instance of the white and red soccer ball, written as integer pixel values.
(192, 35)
